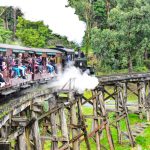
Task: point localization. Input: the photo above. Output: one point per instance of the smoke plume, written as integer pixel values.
(73, 78)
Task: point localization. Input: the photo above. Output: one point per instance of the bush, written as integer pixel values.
(140, 69)
(147, 63)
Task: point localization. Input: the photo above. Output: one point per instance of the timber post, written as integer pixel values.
(147, 103)
(73, 121)
(104, 116)
(95, 106)
(54, 143)
(82, 121)
(141, 97)
(36, 132)
(123, 111)
(64, 129)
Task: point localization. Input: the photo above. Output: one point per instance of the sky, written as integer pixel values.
(59, 18)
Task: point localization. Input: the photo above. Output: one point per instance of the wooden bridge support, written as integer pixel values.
(74, 123)
(36, 132)
(104, 116)
(122, 113)
(64, 129)
(83, 124)
(147, 103)
(141, 98)
(65, 123)
(96, 120)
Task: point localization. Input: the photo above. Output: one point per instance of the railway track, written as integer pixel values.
(124, 77)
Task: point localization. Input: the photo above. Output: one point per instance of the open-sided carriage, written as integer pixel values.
(12, 51)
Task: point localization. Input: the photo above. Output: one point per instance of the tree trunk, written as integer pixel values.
(130, 64)
(107, 7)
(15, 23)
(145, 55)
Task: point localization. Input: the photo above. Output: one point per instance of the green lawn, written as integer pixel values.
(125, 146)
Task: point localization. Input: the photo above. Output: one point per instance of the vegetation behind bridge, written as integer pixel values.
(117, 31)
(15, 29)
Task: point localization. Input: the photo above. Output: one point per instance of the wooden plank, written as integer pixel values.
(54, 144)
(63, 124)
(97, 137)
(8, 92)
(75, 144)
(53, 138)
(36, 134)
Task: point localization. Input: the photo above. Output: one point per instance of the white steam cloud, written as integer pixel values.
(73, 78)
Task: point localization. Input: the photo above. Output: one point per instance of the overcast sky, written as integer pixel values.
(60, 19)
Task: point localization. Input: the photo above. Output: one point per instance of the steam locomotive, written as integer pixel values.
(79, 62)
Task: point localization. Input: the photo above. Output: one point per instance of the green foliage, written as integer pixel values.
(5, 35)
(144, 139)
(140, 69)
(147, 63)
(34, 34)
(127, 38)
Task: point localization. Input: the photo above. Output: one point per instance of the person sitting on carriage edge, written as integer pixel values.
(2, 81)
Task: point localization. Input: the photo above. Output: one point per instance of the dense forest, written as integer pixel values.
(15, 29)
(118, 31)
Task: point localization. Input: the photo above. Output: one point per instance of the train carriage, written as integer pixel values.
(13, 51)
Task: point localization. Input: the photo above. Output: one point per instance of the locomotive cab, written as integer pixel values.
(82, 64)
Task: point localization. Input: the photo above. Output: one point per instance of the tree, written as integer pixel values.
(34, 34)
(127, 37)
(84, 10)
(5, 35)
(131, 19)
(94, 13)
(10, 16)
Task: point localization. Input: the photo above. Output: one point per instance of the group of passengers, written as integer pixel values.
(19, 67)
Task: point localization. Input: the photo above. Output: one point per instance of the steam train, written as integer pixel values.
(59, 53)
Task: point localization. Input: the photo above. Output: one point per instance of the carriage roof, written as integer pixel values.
(66, 50)
(17, 48)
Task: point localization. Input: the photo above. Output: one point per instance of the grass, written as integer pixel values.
(144, 139)
(125, 145)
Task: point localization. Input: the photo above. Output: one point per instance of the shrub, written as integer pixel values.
(140, 69)
(147, 63)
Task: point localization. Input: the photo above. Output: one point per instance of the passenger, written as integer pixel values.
(1, 61)
(9, 64)
(50, 68)
(21, 66)
(29, 66)
(52, 62)
(15, 69)
(22, 69)
(4, 66)
(39, 63)
(2, 81)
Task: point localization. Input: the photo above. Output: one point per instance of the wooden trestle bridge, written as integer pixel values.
(64, 124)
